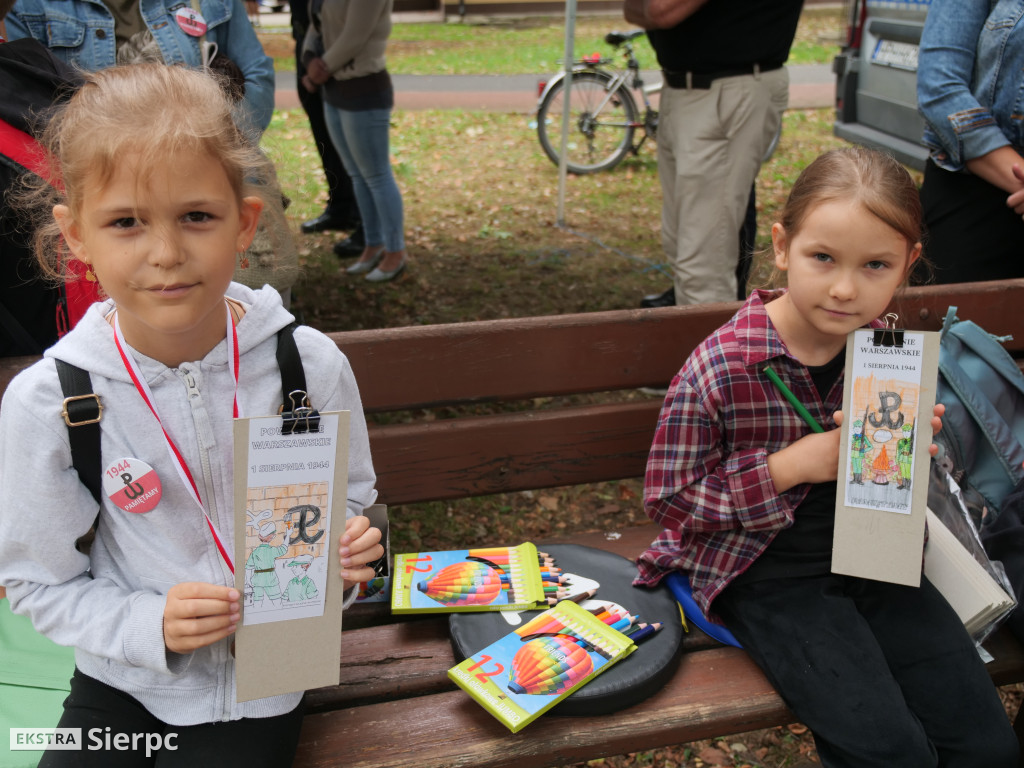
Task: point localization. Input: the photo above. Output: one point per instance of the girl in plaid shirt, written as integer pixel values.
(884, 675)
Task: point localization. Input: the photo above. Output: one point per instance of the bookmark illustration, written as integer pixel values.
(886, 384)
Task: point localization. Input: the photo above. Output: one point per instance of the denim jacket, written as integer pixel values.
(969, 82)
(81, 32)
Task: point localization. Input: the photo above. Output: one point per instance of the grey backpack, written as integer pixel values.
(982, 435)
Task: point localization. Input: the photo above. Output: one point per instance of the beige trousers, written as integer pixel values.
(710, 146)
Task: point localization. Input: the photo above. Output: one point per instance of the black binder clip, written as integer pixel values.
(301, 418)
(890, 336)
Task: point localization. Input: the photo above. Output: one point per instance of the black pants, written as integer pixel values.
(103, 712)
(884, 675)
(970, 233)
(341, 198)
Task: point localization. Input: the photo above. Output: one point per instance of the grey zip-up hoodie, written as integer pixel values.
(109, 605)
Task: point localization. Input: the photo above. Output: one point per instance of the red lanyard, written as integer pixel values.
(177, 459)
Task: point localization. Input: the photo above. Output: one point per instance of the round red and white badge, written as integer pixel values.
(191, 21)
(132, 485)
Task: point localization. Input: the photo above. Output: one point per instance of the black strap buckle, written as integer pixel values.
(78, 413)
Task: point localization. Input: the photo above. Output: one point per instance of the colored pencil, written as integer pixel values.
(646, 632)
(577, 598)
(788, 394)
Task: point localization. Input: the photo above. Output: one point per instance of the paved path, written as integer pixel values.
(811, 86)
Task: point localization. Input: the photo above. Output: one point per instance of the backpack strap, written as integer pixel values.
(296, 412)
(82, 411)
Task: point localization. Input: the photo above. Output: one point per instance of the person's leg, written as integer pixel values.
(751, 111)
(810, 640)
(368, 144)
(103, 713)
(970, 234)
(718, 137)
(367, 141)
(341, 211)
(748, 235)
(263, 742)
(668, 124)
(937, 667)
(367, 210)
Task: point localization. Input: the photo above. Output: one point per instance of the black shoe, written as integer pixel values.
(353, 245)
(327, 220)
(666, 299)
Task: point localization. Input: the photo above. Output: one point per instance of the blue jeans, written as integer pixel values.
(361, 139)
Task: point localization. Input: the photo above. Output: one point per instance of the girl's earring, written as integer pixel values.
(243, 260)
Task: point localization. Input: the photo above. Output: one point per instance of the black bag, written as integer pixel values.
(1004, 541)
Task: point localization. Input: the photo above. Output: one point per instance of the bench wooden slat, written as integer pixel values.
(521, 358)
(379, 662)
(426, 461)
(715, 692)
(625, 349)
(619, 349)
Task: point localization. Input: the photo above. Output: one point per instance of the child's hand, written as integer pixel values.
(939, 411)
(814, 458)
(198, 614)
(359, 545)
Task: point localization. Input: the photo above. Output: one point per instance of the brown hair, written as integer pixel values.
(5, 8)
(856, 174)
(151, 111)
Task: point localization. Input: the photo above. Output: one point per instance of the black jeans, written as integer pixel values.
(971, 234)
(105, 713)
(884, 675)
(341, 198)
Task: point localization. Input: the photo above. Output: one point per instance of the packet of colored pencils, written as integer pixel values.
(525, 673)
(484, 579)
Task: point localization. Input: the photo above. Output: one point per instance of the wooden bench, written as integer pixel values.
(394, 705)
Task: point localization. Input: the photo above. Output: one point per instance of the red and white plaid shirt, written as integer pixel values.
(707, 476)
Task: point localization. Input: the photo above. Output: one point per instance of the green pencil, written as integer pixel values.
(786, 393)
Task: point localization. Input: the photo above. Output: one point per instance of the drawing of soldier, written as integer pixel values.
(859, 447)
(301, 587)
(905, 456)
(260, 566)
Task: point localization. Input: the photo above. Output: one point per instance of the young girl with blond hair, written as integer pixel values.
(885, 675)
(159, 195)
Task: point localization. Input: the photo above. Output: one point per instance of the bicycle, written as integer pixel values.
(603, 114)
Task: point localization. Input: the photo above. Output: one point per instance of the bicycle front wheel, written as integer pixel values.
(601, 123)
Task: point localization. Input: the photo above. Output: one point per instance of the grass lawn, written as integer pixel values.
(530, 45)
(480, 207)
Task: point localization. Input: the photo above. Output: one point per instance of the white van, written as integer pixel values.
(876, 78)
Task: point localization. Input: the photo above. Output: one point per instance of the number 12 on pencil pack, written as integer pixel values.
(528, 671)
(485, 579)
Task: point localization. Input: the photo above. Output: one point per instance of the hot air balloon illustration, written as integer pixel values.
(549, 665)
(468, 583)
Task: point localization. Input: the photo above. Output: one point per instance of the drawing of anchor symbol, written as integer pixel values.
(131, 490)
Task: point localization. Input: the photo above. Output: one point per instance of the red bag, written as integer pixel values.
(79, 289)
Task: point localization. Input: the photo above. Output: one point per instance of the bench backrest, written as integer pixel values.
(538, 364)
(554, 357)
